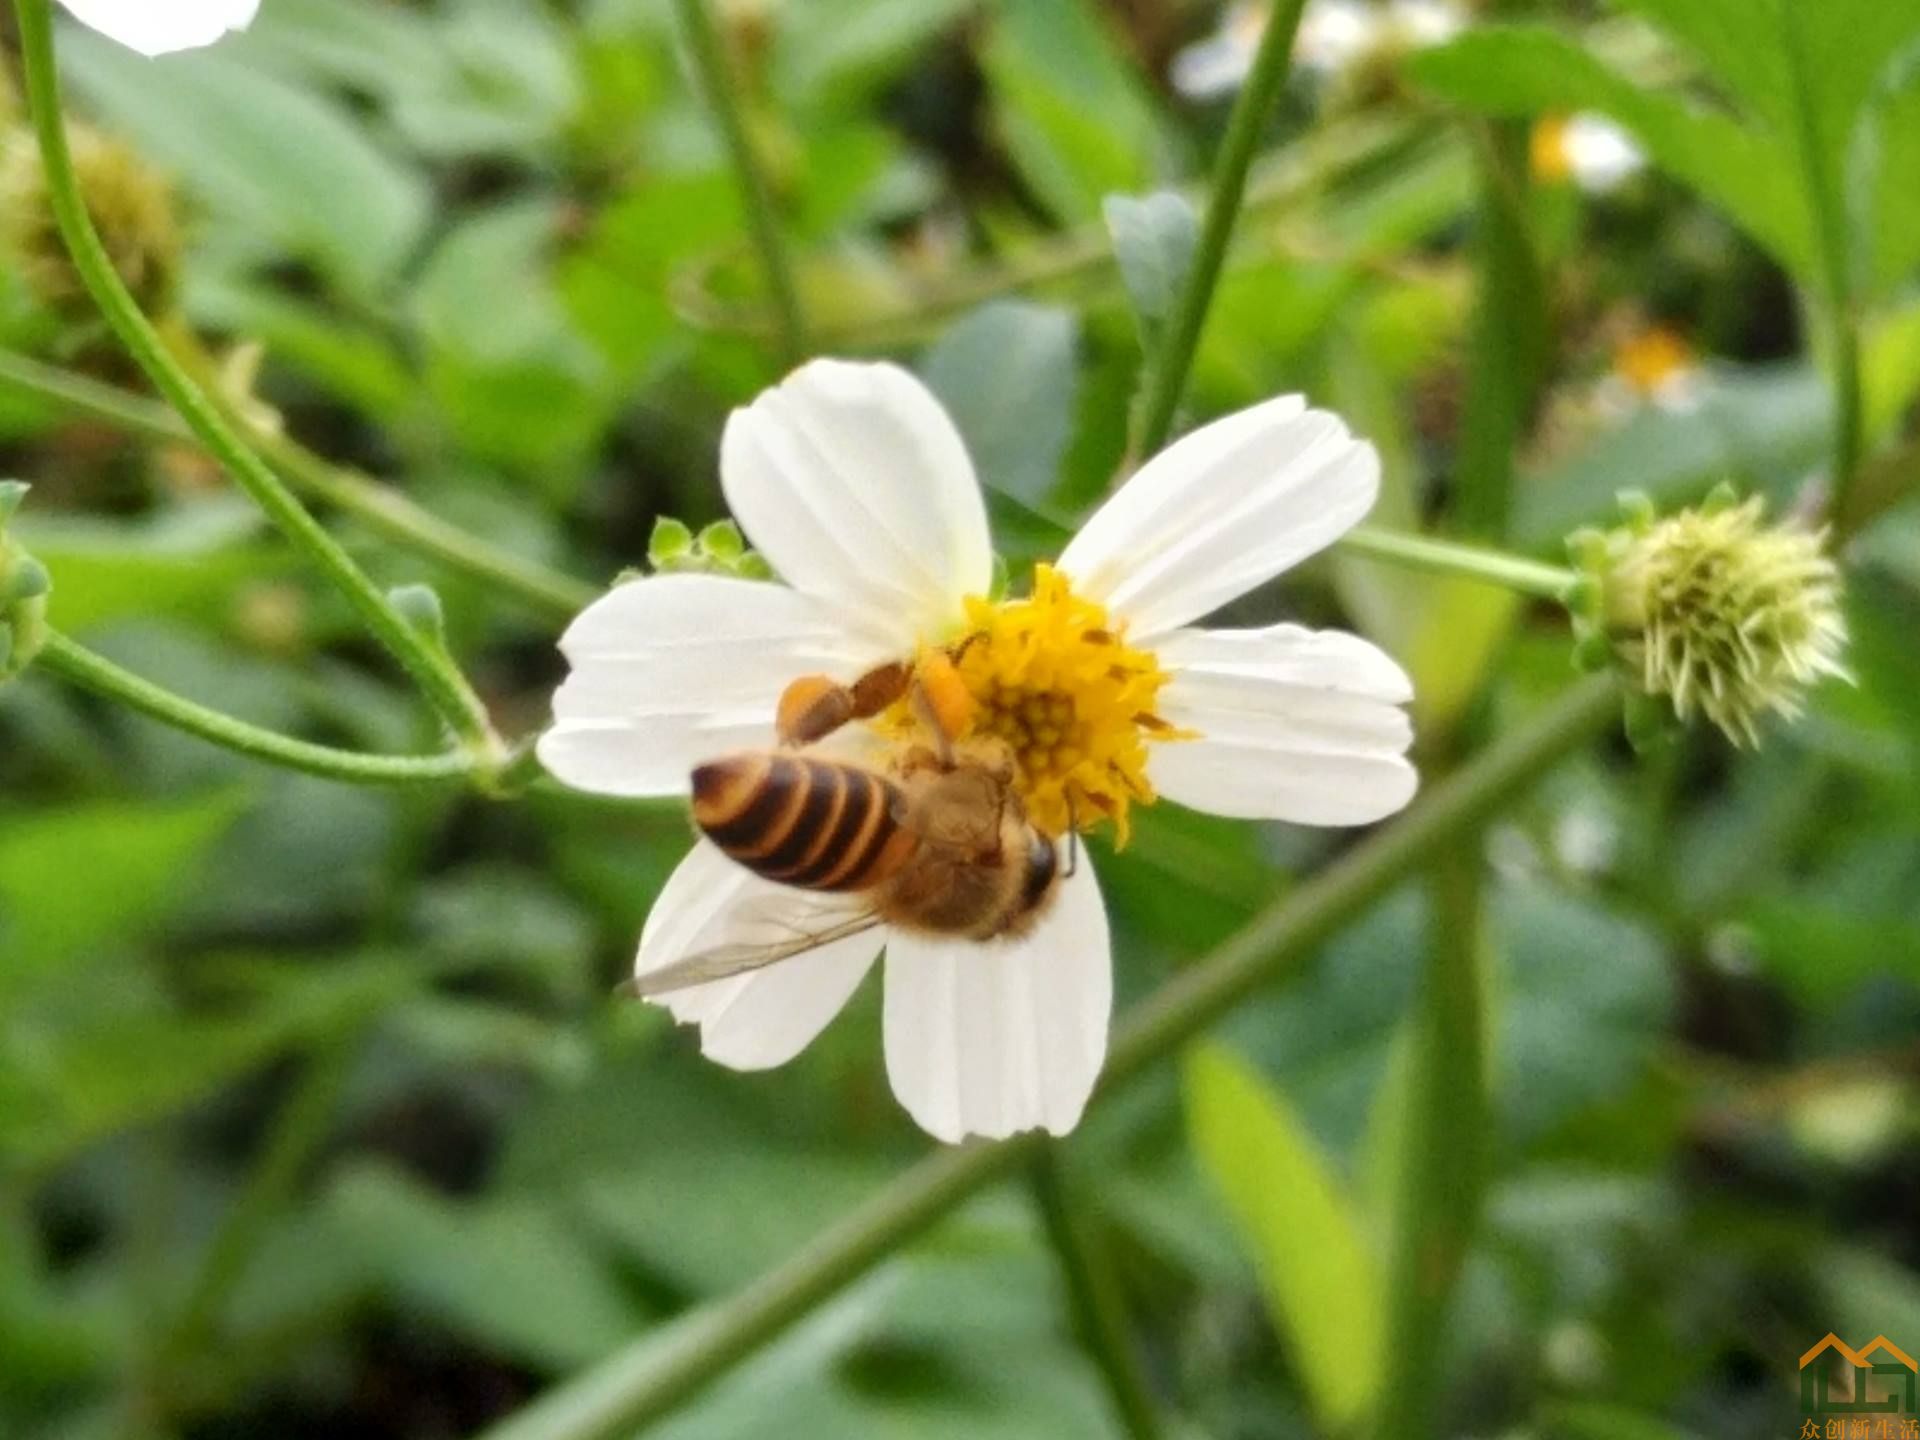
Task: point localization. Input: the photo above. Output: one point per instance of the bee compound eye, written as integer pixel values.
(1043, 864)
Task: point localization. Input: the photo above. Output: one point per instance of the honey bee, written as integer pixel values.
(937, 842)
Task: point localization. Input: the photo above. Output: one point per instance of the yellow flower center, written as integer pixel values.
(1649, 358)
(1552, 157)
(1054, 682)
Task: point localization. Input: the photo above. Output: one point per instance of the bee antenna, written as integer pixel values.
(1073, 839)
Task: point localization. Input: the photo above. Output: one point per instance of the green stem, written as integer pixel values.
(1508, 337)
(1443, 1146)
(299, 1131)
(1167, 373)
(381, 508)
(440, 681)
(73, 661)
(710, 60)
(1098, 1307)
(1475, 562)
(649, 1378)
(1828, 203)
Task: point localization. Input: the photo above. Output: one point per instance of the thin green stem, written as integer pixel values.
(1167, 373)
(440, 681)
(1442, 1146)
(298, 1133)
(1509, 336)
(73, 661)
(756, 197)
(1828, 203)
(1475, 562)
(381, 508)
(646, 1380)
(1099, 1309)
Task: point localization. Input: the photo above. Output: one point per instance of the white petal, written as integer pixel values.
(990, 1039)
(855, 485)
(1221, 511)
(1427, 22)
(1210, 68)
(156, 27)
(765, 1017)
(1600, 154)
(1295, 724)
(1333, 34)
(675, 669)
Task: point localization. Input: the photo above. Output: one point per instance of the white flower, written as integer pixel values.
(1590, 150)
(1656, 365)
(1334, 36)
(157, 27)
(855, 485)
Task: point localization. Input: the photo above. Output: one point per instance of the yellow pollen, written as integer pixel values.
(1054, 681)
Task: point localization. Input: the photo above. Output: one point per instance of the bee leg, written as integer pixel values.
(1073, 839)
(941, 702)
(814, 706)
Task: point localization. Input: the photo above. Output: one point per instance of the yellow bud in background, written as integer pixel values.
(132, 206)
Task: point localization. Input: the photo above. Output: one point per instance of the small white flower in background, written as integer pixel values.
(158, 27)
(855, 485)
(1589, 151)
(1334, 37)
(1653, 365)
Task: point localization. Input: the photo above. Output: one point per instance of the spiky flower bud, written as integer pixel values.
(132, 208)
(23, 593)
(1713, 609)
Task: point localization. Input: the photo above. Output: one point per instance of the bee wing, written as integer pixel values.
(724, 961)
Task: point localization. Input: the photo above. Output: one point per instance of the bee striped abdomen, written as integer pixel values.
(801, 821)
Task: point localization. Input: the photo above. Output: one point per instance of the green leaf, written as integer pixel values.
(509, 1275)
(1321, 1283)
(515, 382)
(1009, 375)
(1074, 115)
(1885, 166)
(1762, 428)
(1153, 241)
(1586, 998)
(73, 878)
(353, 362)
(281, 166)
(188, 564)
(832, 55)
(1512, 70)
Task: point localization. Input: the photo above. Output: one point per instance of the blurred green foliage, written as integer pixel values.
(316, 1117)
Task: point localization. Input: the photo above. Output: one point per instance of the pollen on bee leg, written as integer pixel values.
(811, 708)
(942, 697)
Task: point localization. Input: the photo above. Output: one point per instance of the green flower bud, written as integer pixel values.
(719, 549)
(132, 208)
(671, 542)
(24, 586)
(1714, 610)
